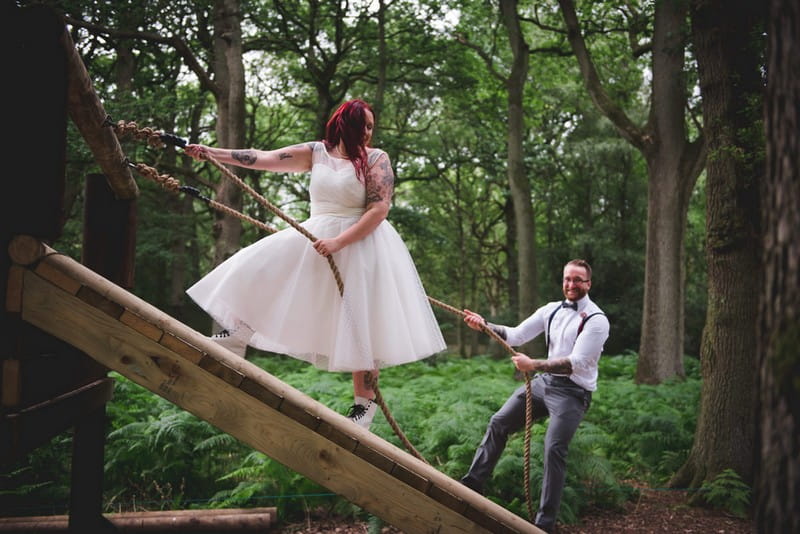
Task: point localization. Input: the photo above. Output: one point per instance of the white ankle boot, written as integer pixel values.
(363, 411)
(234, 340)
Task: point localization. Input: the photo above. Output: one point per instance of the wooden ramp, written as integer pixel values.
(126, 334)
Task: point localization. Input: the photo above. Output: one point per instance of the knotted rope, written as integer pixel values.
(158, 139)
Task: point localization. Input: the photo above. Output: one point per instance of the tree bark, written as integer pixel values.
(517, 178)
(673, 164)
(729, 48)
(230, 126)
(778, 489)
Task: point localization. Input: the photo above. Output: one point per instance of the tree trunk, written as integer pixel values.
(517, 178)
(230, 127)
(512, 263)
(777, 490)
(728, 48)
(383, 65)
(673, 164)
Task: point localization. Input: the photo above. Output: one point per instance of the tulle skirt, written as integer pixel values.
(286, 292)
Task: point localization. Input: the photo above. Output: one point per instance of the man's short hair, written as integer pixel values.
(584, 264)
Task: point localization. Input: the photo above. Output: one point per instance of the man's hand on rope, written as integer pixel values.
(523, 362)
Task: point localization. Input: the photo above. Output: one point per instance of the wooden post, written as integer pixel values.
(109, 232)
(86, 487)
(109, 238)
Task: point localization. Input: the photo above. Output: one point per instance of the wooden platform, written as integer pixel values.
(124, 333)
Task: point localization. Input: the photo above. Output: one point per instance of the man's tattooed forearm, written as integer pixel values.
(245, 157)
(560, 366)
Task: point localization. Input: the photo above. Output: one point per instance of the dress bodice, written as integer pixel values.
(334, 187)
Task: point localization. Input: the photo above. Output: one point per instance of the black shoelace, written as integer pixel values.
(357, 411)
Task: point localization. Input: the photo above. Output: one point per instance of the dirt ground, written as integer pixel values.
(655, 512)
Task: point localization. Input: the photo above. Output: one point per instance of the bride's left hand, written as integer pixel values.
(326, 247)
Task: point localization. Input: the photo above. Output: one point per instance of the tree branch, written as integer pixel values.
(177, 43)
(594, 86)
(461, 38)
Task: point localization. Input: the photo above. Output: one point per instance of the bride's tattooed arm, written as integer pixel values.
(380, 185)
(295, 158)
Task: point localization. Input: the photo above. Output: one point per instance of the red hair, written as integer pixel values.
(348, 124)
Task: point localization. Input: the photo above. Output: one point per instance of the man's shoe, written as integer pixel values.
(362, 412)
(474, 486)
(234, 340)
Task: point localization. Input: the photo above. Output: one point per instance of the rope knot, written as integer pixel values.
(146, 134)
(164, 180)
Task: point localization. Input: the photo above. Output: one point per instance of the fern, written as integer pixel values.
(728, 492)
(161, 455)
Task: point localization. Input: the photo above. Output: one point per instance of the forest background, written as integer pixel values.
(522, 134)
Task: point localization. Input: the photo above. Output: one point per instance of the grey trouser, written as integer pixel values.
(565, 403)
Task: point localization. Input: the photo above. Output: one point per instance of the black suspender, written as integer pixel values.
(580, 328)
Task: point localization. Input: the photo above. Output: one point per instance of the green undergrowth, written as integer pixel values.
(161, 457)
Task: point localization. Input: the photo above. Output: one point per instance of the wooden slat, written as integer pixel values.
(261, 393)
(205, 512)
(96, 300)
(52, 274)
(11, 383)
(139, 324)
(233, 520)
(180, 347)
(14, 289)
(221, 370)
(242, 413)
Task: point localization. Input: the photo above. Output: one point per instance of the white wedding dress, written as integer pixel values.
(286, 292)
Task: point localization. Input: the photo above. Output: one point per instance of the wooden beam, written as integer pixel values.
(87, 112)
(212, 520)
(10, 396)
(252, 405)
(30, 428)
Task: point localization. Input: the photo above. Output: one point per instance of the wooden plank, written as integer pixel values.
(183, 349)
(96, 300)
(141, 325)
(242, 520)
(50, 272)
(219, 369)
(206, 512)
(14, 289)
(244, 416)
(261, 393)
(11, 383)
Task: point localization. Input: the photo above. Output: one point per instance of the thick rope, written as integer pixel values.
(171, 184)
(156, 139)
(528, 402)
